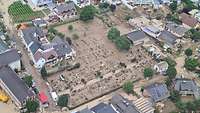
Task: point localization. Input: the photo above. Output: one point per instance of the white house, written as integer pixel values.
(41, 2)
(82, 3)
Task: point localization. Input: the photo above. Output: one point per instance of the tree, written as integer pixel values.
(28, 80)
(174, 96)
(70, 27)
(87, 13)
(168, 82)
(123, 43)
(171, 72)
(43, 72)
(181, 106)
(113, 34)
(103, 5)
(170, 61)
(128, 87)
(173, 6)
(32, 106)
(113, 7)
(52, 30)
(188, 52)
(63, 101)
(191, 64)
(148, 72)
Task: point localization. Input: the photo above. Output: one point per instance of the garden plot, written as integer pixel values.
(23, 12)
(103, 68)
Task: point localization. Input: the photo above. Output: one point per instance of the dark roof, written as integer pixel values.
(17, 87)
(9, 56)
(65, 7)
(167, 37)
(86, 110)
(103, 108)
(123, 105)
(185, 85)
(136, 35)
(61, 46)
(34, 47)
(188, 20)
(32, 34)
(158, 91)
(3, 46)
(175, 28)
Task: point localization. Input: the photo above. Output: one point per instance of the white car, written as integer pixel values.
(54, 96)
(62, 77)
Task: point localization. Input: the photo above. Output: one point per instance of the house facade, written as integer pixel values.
(82, 3)
(41, 2)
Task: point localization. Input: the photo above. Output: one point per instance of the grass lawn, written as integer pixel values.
(23, 12)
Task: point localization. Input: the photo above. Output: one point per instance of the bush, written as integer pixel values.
(103, 5)
(191, 64)
(113, 34)
(128, 87)
(148, 72)
(70, 27)
(63, 101)
(75, 36)
(188, 52)
(28, 80)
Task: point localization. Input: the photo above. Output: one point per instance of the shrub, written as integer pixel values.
(148, 72)
(63, 101)
(128, 87)
(188, 52)
(70, 27)
(191, 64)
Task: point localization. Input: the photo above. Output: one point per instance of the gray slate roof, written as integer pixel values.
(61, 46)
(86, 110)
(136, 35)
(103, 108)
(9, 56)
(123, 105)
(32, 34)
(3, 46)
(167, 37)
(65, 7)
(34, 47)
(175, 28)
(183, 84)
(15, 84)
(158, 91)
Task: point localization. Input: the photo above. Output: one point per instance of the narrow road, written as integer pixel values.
(40, 83)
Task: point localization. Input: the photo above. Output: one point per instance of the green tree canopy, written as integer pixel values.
(171, 72)
(128, 87)
(148, 72)
(170, 61)
(173, 6)
(113, 34)
(87, 13)
(28, 80)
(63, 101)
(188, 52)
(191, 64)
(174, 96)
(43, 72)
(123, 43)
(32, 106)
